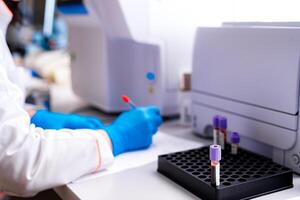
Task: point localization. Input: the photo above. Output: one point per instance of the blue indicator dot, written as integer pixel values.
(150, 76)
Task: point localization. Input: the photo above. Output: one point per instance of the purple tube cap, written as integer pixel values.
(216, 120)
(223, 123)
(235, 138)
(215, 152)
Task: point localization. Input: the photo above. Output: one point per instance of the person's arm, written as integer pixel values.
(54, 120)
(33, 159)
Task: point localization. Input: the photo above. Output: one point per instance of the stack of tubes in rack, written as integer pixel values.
(219, 142)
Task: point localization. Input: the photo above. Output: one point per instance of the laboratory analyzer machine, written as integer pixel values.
(251, 76)
(114, 55)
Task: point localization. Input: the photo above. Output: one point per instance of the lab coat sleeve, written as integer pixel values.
(16, 75)
(33, 159)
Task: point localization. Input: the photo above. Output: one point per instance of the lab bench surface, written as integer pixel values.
(138, 183)
(145, 183)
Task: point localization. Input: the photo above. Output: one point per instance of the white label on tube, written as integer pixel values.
(218, 174)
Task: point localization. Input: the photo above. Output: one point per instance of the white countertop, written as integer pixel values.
(144, 182)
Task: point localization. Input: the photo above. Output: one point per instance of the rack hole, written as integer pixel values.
(228, 173)
(224, 176)
(238, 172)
(196, 173)
(260, 172)
(234, 176)
(202, 176)
(271, 172)
(206, 173)
(249, 172)
(226, 184)
(246, 176)
(207, 180)
(231, 180)
(256, 176)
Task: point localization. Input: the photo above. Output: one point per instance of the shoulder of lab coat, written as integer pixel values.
(15, 74)
(33, 159)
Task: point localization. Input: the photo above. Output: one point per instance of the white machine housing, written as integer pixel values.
(108, 61)
(251, 76)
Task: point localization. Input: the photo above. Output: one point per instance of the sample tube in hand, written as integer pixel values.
(215, 157)
(127, 100)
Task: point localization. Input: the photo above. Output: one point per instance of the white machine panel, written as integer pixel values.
(251, 62)
(252, 112)
(109, 60)
(251, 76)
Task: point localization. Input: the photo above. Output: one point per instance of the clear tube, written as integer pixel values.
(215, 173)
(222, 138)
(216, 136)
(234, 149)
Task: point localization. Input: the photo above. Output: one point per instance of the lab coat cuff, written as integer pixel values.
(105, 156)
(28, 106)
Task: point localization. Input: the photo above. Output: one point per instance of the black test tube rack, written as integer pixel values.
(243, 176)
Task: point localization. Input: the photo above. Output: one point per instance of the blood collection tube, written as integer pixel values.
(215, 157)
(222, 131)
(216, 129)
(127, 100)
(234, 140)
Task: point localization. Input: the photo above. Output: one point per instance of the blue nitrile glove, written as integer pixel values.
(134, 129)
(51, 120)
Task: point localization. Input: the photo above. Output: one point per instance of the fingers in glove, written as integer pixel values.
(96, 123)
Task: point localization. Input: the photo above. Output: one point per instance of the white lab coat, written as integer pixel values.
(33, 159)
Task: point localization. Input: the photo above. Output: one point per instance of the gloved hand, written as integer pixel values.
(51, 120)
(134, 129)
